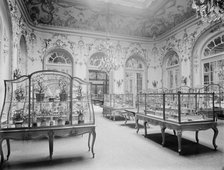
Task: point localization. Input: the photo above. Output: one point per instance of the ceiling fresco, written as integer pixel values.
(117, 18)
(131, 3)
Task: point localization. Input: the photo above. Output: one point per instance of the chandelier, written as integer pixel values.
(108, 62)
(209, 10)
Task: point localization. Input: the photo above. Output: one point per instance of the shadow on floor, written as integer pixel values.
(188, 147)
(42, 163)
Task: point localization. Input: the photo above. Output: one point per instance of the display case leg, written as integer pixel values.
(89, 140)
(174, 132)
(215, 136)
(136, 125)
(8, 148)
(51, 143)
(179, 138)
(145, 127)
(196, 136)
(126, 119)
(93, 142)
(163, 135)
(1, 151)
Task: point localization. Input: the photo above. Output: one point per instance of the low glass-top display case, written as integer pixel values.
(46, 101)
(178, 107)
(178, 111)
(114, 103)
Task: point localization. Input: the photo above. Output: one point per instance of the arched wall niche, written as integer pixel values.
(22, 56)
(171, 71)
(135, 74)
(207, 57)
(59, 59)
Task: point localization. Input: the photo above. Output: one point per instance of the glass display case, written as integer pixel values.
(122, 100)
(107, 100)
(117, 102)
(97, 99)
(218, 98)
(179, 112)
(178, 107)
(45, 101)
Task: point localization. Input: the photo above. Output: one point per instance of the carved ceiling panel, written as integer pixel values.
(118, 18)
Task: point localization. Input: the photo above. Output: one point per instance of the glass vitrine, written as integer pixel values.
(141, 103)
(121, 100)
(218, 98)
(178, 107)
(45, 99)
(107, 100)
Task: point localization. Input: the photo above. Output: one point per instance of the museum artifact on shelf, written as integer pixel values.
(178, 112)
(64, 108)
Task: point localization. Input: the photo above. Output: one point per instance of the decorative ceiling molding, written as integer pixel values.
(77, 17)
(70, 31)
(96, 34)
(139, 4)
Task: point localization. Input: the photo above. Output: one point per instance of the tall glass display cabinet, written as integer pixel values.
(46, 104)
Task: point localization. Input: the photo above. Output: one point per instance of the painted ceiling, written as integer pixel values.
(144, 18)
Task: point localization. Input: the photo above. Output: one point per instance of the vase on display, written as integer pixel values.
(60, 121)
(18, 123)
(43, 122)
(80, 117)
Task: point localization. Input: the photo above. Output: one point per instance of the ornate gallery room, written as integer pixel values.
(112, 84)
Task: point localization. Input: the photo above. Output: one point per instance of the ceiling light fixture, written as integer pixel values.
(209, 10)
(108, 62)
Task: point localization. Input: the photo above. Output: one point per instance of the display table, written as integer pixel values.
(49, 132)
(179, 128)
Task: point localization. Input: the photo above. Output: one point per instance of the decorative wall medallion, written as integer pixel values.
(119, 83)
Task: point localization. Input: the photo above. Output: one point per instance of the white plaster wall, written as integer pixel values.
(6, 48)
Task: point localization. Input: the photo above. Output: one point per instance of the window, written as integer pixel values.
(213, 62)
(172, 72)
(60, 60)
(213, 72)
(134, 75)
(215, 46)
